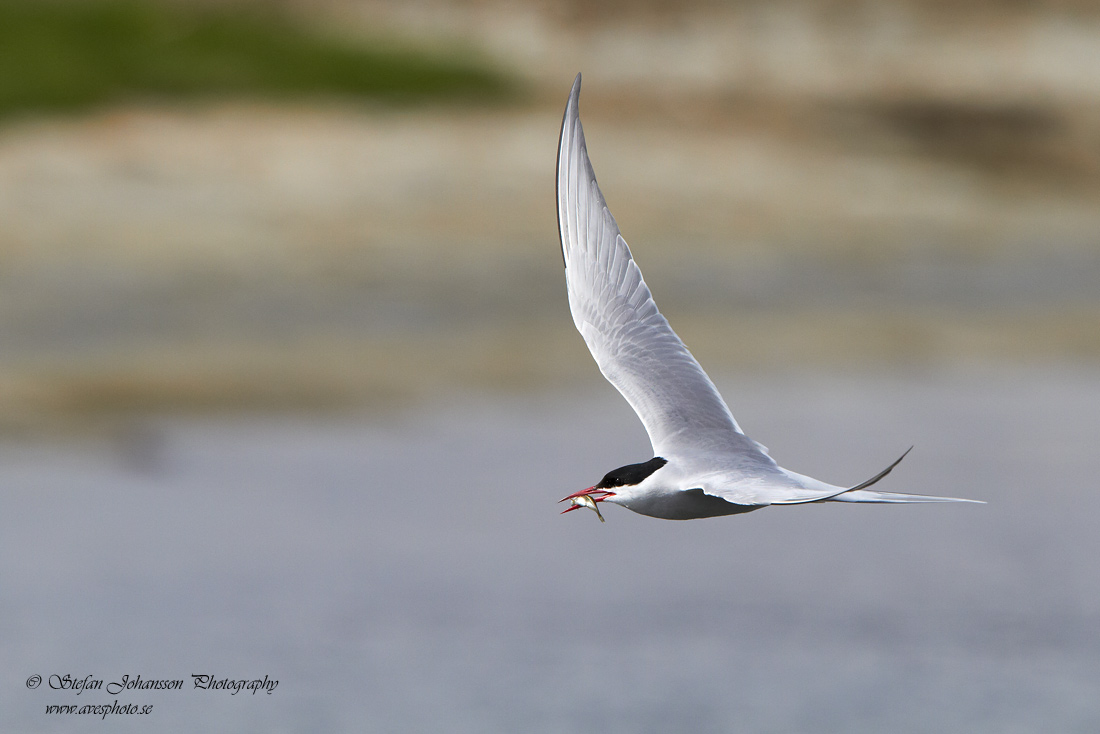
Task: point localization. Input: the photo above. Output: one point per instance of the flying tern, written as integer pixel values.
(703, 464)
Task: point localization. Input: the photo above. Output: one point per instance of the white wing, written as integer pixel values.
(635, 348)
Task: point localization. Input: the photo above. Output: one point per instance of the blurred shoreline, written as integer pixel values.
(324, 255)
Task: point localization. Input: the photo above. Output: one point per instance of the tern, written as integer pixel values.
(703, 464)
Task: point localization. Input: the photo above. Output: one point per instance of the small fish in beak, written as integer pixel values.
(583, 500)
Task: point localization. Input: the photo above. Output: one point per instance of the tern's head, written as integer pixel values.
(625, 476)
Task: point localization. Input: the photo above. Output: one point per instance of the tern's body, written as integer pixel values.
(703, 464)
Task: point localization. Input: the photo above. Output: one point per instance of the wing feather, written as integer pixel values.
(633, 344)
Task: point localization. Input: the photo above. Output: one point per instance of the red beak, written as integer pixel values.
(588, 491)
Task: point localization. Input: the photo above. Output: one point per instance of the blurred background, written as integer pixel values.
(288, 381)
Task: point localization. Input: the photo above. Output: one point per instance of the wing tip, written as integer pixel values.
(571, 113)
(573, 103)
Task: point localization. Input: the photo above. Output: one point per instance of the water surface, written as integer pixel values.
(411, 573)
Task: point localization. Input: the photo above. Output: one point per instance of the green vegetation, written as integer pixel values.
(66, 54)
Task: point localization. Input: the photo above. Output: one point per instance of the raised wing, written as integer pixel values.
(633, 344)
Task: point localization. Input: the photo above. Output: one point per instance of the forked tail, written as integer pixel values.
(860, 493)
